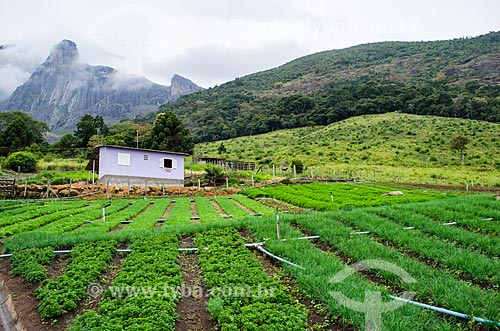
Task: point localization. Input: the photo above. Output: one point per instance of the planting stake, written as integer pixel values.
(278, 224)
(444, 311)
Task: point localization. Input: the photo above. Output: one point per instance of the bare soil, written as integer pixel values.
(248, 210)
(218, 208)
(192, 309)
(194, 213)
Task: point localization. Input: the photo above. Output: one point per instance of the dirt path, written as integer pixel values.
(191, 309)
(218, 208)
(248, 210)
(165, 215)
(195, 218)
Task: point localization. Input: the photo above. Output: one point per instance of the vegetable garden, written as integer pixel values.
(115, 264)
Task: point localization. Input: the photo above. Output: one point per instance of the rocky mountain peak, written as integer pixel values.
(63, 89)
(64, 53)
(181, 86)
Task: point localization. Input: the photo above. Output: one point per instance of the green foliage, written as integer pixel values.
(459, 143)
(126, 133)
(299, 166)
(442, 78)
(29, 263)
(87, 127)
(152, 265)
(87, 262)
(213, 173)
(169, 134)
(318, 196)
(19, 130)
(222, 149)
(371, 142)
(21, 161)
(264, 303)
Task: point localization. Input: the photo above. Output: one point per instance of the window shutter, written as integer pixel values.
(174, 164)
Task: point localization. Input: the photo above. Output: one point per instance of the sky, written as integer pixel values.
(215, 41)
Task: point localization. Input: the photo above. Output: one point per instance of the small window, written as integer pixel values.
(168, 163)
(123, 159)
(146, 157)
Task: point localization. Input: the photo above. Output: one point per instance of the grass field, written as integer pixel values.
(447, 243)
(385, 147)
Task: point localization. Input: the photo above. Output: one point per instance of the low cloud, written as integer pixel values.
(15, 68)
(210, 64)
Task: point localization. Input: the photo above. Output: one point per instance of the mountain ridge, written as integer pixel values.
(62, 89)
(452, 78)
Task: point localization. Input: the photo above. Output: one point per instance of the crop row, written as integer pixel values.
(319, 196)
(180, 213)
(462, 260)
(205, 209)
(464, 218)
(74, 221)
(113, 220)
(87, 262)
(406, 217)
(29, 263)
(243, 296)
(137, 299)
(37, 222)
(8, 205)
(149, 218)
(253, 205)
(33, 211)
(230, 208)
(321, 267)
(434, 285)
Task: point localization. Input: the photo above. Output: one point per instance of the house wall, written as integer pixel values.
(139, 171)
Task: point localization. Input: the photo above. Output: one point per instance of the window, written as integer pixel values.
(146, 157)
(123, 159)
(168, 163)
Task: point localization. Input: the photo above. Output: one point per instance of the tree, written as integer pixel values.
(459, 143)
(18, 130)
(169, 134)
(21, 161)
(221, 149)
(87, 127)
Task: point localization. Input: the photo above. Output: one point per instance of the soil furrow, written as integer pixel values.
(192, 314)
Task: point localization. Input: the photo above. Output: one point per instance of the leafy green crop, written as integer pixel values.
(262, 303)
(137, 299)
(87, 262)
(29, 263)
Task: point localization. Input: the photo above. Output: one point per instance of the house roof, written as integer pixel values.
(141, 149)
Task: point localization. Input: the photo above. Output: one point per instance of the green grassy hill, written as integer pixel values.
(453, 78)
(388, 140)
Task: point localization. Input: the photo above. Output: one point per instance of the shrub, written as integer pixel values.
(21, 161)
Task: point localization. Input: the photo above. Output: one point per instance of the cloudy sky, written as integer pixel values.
(214, 41)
